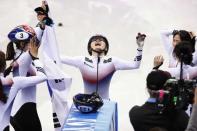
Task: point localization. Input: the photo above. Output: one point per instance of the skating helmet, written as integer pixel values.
(88, 103)
(21, 33)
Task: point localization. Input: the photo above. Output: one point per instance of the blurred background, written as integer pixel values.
(119, 21)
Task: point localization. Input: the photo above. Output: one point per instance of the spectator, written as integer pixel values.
(150, 115)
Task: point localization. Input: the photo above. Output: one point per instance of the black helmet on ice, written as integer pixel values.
(87, 103)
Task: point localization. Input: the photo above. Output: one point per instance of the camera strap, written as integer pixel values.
(157, 67)
(9, 69)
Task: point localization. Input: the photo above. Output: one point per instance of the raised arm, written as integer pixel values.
(128, 65)
(45, 6)
(165, 37)
(24, 61)
(188, 72)
(39, 32)
(72, 61)
(23, 82)
(45, 19)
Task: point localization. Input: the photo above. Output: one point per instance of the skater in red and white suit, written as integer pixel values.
(98, 47)
(9, 86)
(24, 112)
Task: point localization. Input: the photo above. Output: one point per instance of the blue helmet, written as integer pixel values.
(21, 33)
(87, 103)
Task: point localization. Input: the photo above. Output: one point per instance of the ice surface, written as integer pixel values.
(119, 21)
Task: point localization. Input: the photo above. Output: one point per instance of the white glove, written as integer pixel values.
(140, 39)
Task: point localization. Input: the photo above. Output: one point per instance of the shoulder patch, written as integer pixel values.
(88, 60)
(107, 60)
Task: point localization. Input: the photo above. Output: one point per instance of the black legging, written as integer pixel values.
(26, 118)
(7, 129)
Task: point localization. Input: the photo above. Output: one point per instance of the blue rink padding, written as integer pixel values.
(106, 119)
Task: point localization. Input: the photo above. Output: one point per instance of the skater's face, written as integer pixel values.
(40, 16)
(98, 44)
(24, 46)
(176, 39)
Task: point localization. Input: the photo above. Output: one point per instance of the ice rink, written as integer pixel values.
(119, 21)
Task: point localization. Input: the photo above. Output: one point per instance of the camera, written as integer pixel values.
(178, 94)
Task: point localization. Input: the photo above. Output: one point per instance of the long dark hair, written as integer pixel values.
(10, 52)
(3, 97)
(185, 36)
(183, 50)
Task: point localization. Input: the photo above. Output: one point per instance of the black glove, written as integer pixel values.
(47, 9)
(48, 21)
(41, 25)
(157, 67)
(140, 39)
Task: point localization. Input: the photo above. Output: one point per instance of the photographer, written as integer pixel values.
(192, 125)
(155, 114)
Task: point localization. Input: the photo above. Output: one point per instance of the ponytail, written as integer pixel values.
(10, 56)
(10, 51)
